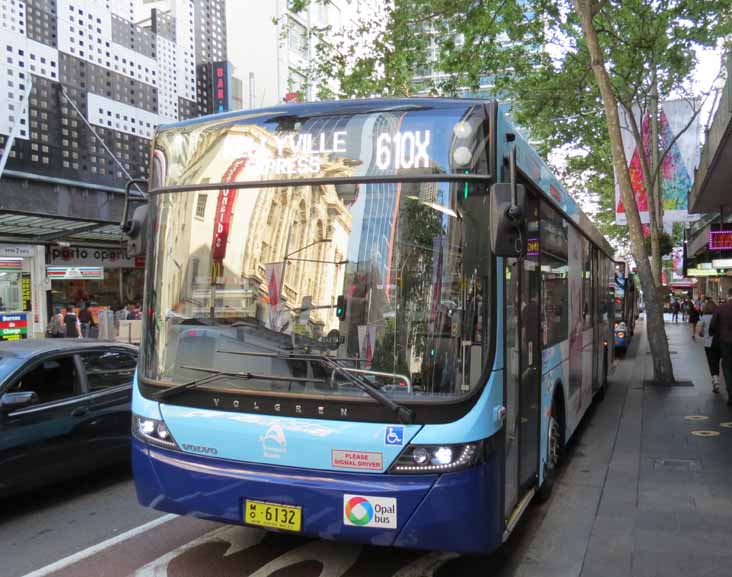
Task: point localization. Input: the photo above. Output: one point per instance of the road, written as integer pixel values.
(93, 526)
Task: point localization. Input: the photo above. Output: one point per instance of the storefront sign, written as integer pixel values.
(17, 250)
(11, 264)
(720, 240)
(86, 256)
(25, 286)
(75, 272)
(13, 327)
(696, 272)
(722, 262)
(221, 92)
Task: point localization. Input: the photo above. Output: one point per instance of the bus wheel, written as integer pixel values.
(555, 452)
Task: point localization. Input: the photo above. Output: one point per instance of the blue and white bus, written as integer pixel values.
(375, 321)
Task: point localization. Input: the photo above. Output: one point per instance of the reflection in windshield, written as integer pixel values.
(373, 276)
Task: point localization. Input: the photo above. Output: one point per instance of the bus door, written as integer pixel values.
(599, 328)
(523, 365)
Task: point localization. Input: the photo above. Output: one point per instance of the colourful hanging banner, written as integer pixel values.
(679, 130)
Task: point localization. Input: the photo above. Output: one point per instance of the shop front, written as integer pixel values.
(107, 278)
(22, 306)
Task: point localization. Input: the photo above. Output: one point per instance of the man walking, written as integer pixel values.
(721, 327)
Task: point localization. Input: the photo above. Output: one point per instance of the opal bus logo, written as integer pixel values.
(274, 442)
(359, 511)
(365, 511)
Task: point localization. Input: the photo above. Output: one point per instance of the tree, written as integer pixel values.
(637, 49)
(567, 67)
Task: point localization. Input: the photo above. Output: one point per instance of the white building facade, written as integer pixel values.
(271, 47)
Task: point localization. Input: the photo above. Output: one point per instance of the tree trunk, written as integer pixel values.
(662, 368)
(654, 178)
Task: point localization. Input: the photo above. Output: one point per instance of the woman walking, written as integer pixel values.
(693, 319)
(711, 344)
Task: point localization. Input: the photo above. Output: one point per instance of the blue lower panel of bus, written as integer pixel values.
(450, 512)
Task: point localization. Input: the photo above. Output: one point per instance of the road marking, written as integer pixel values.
(705, 433)
(336, 558)
(238, 539)
(696, 418)
(89, 551)
(727, 425)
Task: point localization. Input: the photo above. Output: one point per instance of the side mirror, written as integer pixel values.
(507, 224)
(12, 401)
(134, 230)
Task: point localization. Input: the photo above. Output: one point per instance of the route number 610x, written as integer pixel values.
(406, 149)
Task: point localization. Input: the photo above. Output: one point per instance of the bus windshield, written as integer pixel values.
(338, 230)
(382, 278)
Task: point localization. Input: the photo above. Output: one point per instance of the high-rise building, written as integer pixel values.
(124, 66)
(83, 83)
(271, 47)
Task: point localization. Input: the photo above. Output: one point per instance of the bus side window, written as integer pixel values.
(554, 273)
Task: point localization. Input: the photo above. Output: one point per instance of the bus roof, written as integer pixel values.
(363, 105)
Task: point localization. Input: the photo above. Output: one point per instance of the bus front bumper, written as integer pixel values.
(458, 512)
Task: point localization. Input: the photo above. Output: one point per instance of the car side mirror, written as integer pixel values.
(507, 220)
(12, 401)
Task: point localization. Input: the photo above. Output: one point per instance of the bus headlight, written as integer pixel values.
(153, 431)
(437, 458)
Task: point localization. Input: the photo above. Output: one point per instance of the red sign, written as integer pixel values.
(292, 97)
(720, 240)
(224, 208)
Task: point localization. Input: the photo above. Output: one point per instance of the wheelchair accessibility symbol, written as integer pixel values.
(394, 436)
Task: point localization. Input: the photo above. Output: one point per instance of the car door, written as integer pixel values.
(39, 442)
(108, 375)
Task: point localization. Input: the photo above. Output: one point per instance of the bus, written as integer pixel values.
(627, 307)
(376, 321)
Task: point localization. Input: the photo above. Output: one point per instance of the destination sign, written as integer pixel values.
(341, 144)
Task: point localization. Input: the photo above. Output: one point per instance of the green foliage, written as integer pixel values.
(666, 242)
(535, 54)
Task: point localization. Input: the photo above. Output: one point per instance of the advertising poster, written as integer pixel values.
(677, 168)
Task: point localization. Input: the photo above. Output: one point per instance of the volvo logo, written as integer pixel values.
(200, 449)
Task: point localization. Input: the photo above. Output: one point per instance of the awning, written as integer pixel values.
(20, 228)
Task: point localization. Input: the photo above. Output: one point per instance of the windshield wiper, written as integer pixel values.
(216, 374)
(404, 414)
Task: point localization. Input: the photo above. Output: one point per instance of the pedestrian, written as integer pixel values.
(73, 327)
(685, 311)
(711, 343)
(86, 319)
(721, 327)
(693, 320)
(675, 308)
(55, 328)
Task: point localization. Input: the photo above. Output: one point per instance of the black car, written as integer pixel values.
(64, 409)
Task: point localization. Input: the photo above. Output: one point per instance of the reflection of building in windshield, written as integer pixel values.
(228, 254)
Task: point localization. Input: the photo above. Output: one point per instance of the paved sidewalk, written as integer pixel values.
(642, 495)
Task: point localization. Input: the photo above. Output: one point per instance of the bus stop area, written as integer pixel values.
(646, 490)
(647, 487)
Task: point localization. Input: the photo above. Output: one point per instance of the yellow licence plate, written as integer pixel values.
(273, 515)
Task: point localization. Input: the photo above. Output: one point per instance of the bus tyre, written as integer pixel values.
(555, 453)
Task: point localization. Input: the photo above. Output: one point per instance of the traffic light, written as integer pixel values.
(341, 307)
